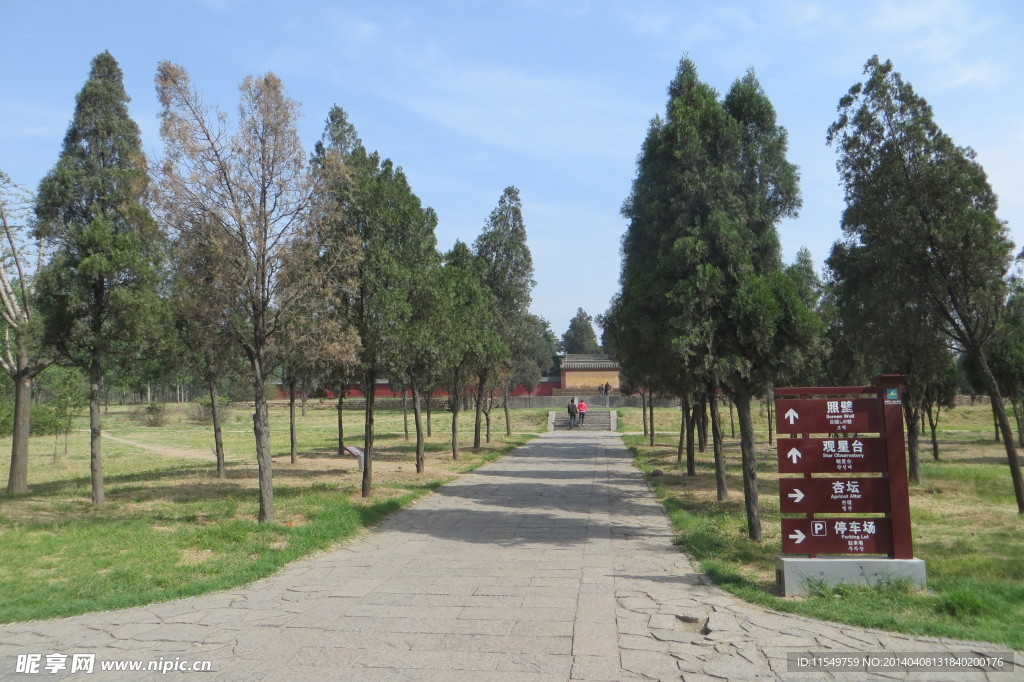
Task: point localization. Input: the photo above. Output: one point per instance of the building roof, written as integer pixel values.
(590, 361)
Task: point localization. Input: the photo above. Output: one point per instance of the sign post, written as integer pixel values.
(847, 443)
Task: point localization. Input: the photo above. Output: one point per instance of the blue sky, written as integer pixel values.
(552, 97)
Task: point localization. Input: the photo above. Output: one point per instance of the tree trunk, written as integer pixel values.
(430, 415)
(702, 425)
(302, 399)
(456, 404)
(643, 409)
(911, 416)
(17, 479)
(684, 420)
(1004, 425)
(218, 439)
(1019, 417)
(650, 415)
(732, 421)
(417, 411)
(691, 455)
(487, 421)
(341, 422)
(749, 454)
(933, 422)
(405, 415)
(291, 421)
(479, 410)
(261, 429)
(99, 497)
(370, 391)
(716, 439)
(508, 417)
(771, 420)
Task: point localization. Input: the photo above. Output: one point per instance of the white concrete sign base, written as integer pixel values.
(792, 574)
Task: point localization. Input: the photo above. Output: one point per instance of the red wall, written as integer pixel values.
(544, 388)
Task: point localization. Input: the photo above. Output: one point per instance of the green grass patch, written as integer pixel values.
(172, 529)
(965, 527)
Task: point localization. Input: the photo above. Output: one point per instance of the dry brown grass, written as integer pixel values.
(148, 468)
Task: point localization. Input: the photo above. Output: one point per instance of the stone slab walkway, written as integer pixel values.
(553, 563)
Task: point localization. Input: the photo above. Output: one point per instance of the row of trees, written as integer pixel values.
(240, 244)
(706, 304)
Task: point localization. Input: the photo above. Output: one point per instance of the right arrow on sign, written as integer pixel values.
(796, 495)
(792, 416)
(798, 536)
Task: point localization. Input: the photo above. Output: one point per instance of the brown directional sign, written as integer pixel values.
(832, 455)
(845, 414)
(837, 536)
(828, 415)
(834, 495)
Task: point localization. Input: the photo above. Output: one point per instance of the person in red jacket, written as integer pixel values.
(582, 407)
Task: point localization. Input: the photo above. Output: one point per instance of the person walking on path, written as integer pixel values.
(582, 410)
(572, 412)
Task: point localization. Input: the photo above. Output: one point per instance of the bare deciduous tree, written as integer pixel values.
(18, 357)
(251, 185)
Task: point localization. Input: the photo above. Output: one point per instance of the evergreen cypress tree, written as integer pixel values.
(509, 275)
(580, 336)
(98, 294)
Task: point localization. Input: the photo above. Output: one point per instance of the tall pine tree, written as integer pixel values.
(580, 336)
(98, 294)
(509, 275)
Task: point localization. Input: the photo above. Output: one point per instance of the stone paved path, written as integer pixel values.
(553, 563)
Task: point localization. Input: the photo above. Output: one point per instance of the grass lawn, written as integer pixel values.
(171, 528)
(965, 527)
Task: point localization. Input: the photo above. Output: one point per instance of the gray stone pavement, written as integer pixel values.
(553, 563)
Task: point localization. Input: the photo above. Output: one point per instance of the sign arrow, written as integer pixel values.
(794, 455)
(797, 495)
(792, 416)
(798, 536)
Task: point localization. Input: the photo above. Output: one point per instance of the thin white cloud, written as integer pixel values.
(941, 36)
(511, 108)
(983, 74)
(811, 15)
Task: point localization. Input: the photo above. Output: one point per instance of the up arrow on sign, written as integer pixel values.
(794, 455)
(792, 416)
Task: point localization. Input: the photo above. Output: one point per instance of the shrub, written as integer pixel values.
(156, 414)
(201, 413)
(46, 420)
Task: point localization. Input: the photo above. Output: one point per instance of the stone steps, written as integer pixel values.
(596, 420)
